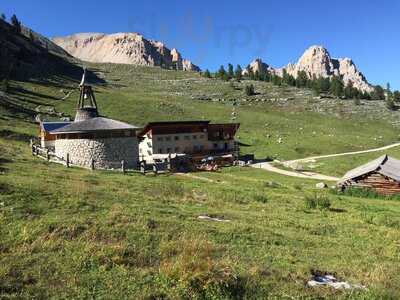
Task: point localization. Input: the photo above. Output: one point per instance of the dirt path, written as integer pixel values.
(307, 175)
(311, 175)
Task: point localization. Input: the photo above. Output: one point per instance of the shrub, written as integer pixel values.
(390, 104)
(262, 198)
(4, 85)
(249, 90)
(321, 202)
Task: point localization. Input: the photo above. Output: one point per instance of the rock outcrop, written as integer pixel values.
(124, 48)
(317, 62)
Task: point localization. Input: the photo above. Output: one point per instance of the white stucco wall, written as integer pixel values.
(173, 143)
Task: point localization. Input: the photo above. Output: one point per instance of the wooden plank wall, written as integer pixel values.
(381, 184)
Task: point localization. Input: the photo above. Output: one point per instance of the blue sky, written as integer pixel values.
(211, 33)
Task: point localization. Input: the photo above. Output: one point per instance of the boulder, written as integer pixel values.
(321, 185)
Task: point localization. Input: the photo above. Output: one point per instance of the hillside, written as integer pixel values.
(28, 55)
(126, 48)
(73, 233)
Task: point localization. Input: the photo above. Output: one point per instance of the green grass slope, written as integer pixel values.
(73, 233)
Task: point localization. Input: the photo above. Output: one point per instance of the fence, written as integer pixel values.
(144, 168)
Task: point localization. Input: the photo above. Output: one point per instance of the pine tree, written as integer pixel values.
(230, 71)
(276, 80)
(251, 74)
(207, 74)
(288, 79)
(302, 79)
(336, 86)
(249, 90)
(378, 93)
(32, 37)
(238, 73)
(16, 23)
(350, 92)
(221, 72)
(396, 96)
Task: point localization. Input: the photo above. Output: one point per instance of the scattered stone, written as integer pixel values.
(330, 280)
(321, 185)
(208, 218)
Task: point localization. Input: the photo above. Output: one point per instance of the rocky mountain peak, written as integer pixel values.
(316, 62)
(125, 48)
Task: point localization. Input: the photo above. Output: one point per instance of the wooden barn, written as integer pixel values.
(381, 175)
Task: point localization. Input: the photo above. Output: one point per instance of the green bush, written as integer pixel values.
(262, 198)
(315, 201)
(249, 90)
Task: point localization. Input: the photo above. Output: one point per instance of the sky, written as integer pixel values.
(211, 33)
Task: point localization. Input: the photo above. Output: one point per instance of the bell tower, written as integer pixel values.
(86, 107)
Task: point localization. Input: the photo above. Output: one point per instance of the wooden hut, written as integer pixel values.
(381, 175)
(46, 139)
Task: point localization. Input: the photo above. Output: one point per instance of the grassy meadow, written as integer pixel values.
(73, 233)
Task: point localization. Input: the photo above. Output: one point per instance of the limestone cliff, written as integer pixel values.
(124, 48)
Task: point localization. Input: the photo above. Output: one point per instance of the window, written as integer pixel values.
(202, 136)
(160, 139)
(187, 137)
(194, 137)
(176, 138)
(168, 138)
(160, 150)
(169, 150)
(177, 149)
(215, 145)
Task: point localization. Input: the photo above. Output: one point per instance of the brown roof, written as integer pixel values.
(171, 127)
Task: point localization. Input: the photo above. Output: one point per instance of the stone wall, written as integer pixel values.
(107, 153)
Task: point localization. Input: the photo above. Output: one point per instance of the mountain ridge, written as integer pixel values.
(123, 47)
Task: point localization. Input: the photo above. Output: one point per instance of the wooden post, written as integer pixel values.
(92, 164)
(67, 161)
(123, 166)
(169, 162)
(48, 154)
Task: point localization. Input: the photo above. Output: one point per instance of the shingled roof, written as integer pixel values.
(49, 126)
(384, 165)
(93, 124)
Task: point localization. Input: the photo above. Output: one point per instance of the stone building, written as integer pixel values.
(93, 140)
